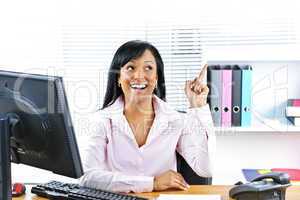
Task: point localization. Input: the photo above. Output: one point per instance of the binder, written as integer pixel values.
(236, 95)
(214, 82)
(226, 96)
(293, 108)
(250, 174)
(246, 95)
(293, 173)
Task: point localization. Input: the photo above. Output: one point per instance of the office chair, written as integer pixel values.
(188, 173)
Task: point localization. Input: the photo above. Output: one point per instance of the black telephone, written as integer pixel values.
(271, 186)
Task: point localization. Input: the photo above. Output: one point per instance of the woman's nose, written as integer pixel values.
(139, 74)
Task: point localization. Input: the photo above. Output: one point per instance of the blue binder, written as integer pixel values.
(246, 95)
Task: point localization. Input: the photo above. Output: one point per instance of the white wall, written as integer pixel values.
(254, 150)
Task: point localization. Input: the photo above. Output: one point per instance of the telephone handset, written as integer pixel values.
(271, 186)
(278, 177)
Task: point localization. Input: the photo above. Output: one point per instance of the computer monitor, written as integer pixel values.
(35, 123)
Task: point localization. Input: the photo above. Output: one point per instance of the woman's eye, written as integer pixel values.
(149, 67)
(129, 68)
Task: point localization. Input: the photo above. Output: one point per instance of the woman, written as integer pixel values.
(136, 134)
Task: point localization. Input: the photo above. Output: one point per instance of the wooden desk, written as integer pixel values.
(293, 192)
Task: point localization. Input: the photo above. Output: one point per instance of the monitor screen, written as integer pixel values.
(40, 126)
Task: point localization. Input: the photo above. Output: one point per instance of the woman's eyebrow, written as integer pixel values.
(149, 61)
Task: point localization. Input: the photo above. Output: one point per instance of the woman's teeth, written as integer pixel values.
(138, 86)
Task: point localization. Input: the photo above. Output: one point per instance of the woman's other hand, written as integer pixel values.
(196, 90)
(169, 179)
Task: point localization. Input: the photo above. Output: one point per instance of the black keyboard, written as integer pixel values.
(68, 191)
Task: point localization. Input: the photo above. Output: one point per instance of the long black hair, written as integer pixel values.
(128, 51)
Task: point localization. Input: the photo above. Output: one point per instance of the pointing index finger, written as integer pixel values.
(202, 73)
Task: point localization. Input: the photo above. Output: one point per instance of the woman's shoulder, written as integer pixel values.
(100, 116)
(97, 123)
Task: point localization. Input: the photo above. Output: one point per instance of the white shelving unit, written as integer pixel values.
(273, 83)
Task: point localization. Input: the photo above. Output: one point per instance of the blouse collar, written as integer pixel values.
(163, 111)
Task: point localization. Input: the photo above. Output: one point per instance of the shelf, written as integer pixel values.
(262, 125)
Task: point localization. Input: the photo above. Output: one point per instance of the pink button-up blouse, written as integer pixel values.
(112, 159)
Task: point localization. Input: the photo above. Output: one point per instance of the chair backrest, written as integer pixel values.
(188, 173)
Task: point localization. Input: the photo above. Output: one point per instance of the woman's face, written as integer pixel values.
(138, 77)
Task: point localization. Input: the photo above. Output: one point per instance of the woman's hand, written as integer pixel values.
(169, 179)
(197, 91)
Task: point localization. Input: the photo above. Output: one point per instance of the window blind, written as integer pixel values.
(88, 50)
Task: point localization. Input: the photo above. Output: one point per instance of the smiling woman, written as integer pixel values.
(136, 125)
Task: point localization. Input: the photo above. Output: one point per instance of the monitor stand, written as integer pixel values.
(5, 165)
